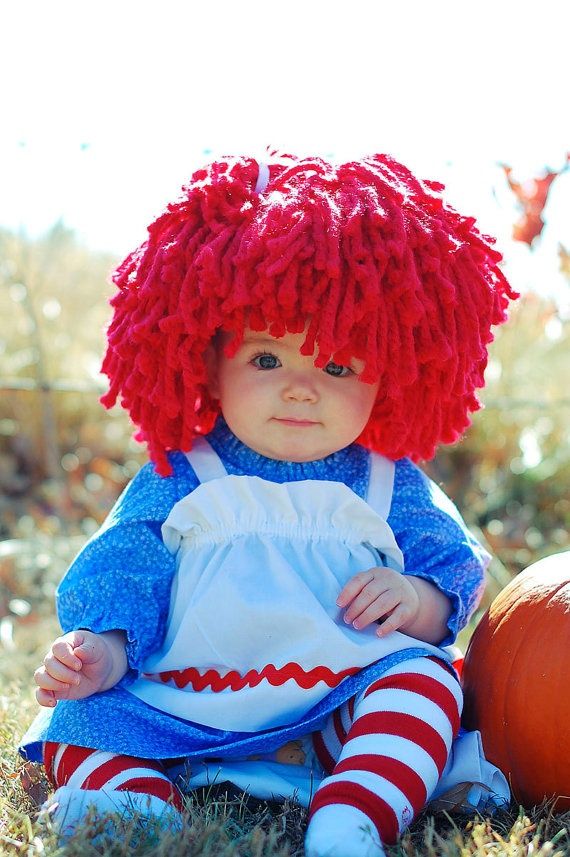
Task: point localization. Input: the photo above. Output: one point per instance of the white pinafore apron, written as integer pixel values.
(254, 637)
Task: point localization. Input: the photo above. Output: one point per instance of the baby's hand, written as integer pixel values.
(379, 593)
(76, 665)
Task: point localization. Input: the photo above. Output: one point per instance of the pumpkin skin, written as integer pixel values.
(516, 682)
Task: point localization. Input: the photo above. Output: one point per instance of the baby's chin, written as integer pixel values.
(292, 455)
(296, 446)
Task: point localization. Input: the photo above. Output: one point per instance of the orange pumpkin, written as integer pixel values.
(516, 681)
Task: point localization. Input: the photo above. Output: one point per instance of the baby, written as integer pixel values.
(282, 576)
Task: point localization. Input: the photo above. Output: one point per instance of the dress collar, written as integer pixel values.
(348, 465)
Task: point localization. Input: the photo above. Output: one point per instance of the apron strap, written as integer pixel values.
(206, 463)
(380, 484)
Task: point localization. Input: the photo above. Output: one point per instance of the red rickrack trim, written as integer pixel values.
(235, 681)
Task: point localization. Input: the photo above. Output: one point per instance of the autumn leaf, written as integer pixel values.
(531, 196)
(455, 799)
(33, 781)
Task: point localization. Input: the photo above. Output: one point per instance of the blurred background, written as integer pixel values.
(108, 108)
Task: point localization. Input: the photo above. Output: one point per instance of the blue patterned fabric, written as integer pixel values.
(122, 578)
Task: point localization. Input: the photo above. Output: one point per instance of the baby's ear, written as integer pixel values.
(211, 361)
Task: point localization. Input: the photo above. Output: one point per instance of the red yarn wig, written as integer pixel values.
(368, 255)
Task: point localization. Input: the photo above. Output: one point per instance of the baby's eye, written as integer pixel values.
(266, 361)
(337, 370)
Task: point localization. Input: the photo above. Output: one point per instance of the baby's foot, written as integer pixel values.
(337, 830)
(68, 809)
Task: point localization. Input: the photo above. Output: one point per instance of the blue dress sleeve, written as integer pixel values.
(122, 577)
(436, 543)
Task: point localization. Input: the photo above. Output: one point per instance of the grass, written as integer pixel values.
(218, 825)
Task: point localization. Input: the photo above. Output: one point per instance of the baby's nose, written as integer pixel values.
(300, 388)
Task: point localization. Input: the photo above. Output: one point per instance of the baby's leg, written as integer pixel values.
(385, 749)
(110, 782)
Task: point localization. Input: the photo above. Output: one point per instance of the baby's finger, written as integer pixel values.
(46, 698)
(376, 609)
(63, 651)
(88, 653)
(394, 621)
(59, 672)
(354, 586)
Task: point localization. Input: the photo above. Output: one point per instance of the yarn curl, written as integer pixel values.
(365, 257)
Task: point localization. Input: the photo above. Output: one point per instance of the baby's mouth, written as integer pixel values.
(296, 422)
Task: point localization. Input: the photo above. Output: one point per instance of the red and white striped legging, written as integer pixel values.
(384, 750)
(82, 768)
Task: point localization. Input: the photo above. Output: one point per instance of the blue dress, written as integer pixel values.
(123, 577)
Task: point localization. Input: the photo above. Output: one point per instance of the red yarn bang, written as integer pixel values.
(366, 254)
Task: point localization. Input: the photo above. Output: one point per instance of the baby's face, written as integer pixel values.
(277, 402)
